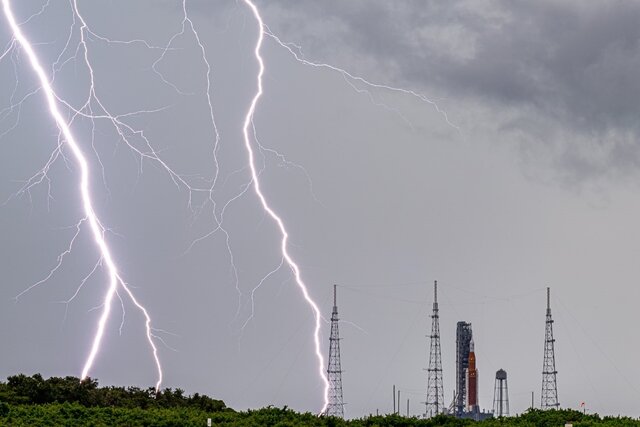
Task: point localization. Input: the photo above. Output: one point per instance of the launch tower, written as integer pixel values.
(463, 342)
(466, 396)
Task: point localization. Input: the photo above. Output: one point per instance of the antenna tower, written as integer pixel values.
(435, 391)
(549, 396)
(335, 407)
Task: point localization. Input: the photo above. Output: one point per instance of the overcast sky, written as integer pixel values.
(522, 175)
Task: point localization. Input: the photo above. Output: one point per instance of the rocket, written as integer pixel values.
(472, 380)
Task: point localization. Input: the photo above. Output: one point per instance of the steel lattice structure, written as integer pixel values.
(435, 391)
(549, 396)
(464, 335)
(334, 370)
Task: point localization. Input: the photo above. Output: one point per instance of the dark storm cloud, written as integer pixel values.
(571, 64)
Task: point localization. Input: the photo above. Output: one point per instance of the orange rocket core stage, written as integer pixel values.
(472, 379)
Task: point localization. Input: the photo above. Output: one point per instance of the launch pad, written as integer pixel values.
(465, 404)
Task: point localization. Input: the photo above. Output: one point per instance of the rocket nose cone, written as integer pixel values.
(471, 346)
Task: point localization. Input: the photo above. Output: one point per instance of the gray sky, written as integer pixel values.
(536, 187)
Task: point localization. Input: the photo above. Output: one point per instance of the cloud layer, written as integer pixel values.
(558, 74)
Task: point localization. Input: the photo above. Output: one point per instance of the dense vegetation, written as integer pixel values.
(21, 389)
(34, 401)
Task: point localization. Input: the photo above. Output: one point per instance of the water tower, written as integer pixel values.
(501, 395)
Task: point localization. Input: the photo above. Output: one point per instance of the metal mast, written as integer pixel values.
(435, 391)
(549, 396)
(335, 407)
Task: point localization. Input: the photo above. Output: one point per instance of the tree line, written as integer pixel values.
(31, 401)
(35, 390)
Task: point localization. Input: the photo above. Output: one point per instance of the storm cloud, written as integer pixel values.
(570, 64)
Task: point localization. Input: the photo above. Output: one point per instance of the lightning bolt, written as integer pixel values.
(117, 287)
(97, 229)
(248, 122)
(353, 79)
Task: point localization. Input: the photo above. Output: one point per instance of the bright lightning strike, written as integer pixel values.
(116, 286)
(256, 186)
(352, 80)
(96, 227)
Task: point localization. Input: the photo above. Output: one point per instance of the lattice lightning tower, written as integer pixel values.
(435, 391)
(334, 371)
(549, 396)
